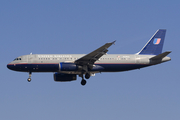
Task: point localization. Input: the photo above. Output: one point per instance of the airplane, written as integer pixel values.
(66, 67)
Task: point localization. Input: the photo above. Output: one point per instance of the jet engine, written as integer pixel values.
(68, 67)
(60, 77)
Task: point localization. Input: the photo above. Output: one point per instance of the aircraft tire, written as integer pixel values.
(29, 79)
(83, 82)
(87, 75)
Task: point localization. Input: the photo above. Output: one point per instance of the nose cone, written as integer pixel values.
(14, 66)
(10, 66)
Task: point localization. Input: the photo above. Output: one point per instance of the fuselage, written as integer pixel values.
(64, 63)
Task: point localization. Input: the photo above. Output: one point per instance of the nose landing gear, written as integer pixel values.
(29, 79)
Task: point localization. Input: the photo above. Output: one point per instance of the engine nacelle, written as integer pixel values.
(73, 67)
(68, 67)
(60, 77)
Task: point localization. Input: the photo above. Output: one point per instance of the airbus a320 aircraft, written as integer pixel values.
(66, 67)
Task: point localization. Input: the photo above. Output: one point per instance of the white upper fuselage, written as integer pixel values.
(108, 58)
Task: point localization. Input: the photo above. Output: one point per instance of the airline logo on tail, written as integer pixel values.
(157, 41)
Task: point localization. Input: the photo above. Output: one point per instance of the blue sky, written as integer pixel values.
(60, 27)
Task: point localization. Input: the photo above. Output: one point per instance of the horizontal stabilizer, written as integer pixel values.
(160, 56)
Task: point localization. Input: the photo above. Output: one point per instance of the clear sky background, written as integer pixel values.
(79, 27)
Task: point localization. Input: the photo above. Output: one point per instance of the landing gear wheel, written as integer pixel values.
(87, 75)
(29, 79)
(83, 82)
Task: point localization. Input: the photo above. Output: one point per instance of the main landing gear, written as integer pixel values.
(83, 81)
(29, 79)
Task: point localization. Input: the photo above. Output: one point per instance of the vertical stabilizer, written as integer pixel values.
(155, 44)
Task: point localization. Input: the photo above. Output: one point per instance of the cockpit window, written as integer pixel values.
(17, 59)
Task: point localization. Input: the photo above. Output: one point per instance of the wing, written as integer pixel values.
(92, 57)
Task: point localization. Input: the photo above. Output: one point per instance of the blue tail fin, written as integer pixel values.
(155, 44)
